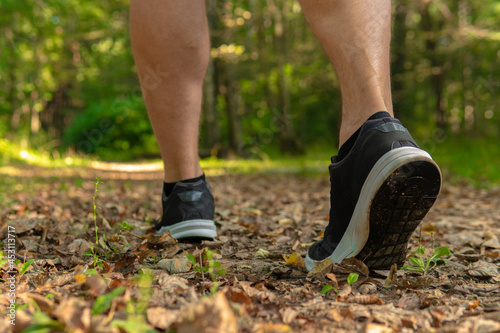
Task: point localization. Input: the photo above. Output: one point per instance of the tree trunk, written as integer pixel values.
(399, 56)
(210, 93)
(437, 68)
(288, 140)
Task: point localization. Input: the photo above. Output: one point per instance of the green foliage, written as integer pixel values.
(133, 324)
(353, 277)
(424, 264)
(325, 289)
(25, 266)
(93, 248)
(71, 85)
(125, 226)
(42, 323)
(214, 268)
(103, 303)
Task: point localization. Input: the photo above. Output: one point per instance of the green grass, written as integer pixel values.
(473, 160)
(470, 159)
(13, 154)
(314, 163)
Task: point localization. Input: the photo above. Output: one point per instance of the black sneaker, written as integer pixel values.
(379, 194)
(188, 212)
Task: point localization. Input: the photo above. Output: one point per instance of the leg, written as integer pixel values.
(355, 35)
(171, 49)
(170, 42)
(382, 184)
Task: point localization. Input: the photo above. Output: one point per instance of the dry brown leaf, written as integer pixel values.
(288, 315)
(162, 318)
(295, 259)
(339, 314)
(363, 299)
(273, 328)
(74, 313)
(125, 264)
(367, 288)
(320, 269)
(344, 293)
(174, 266)
(483, 269)
(438, 317)
(172, 283)
(43, 303)
(473, 305)
(391, 279)
(146, 254)
(355, 265)
(409, 322)
(262, 295)
(210, 315)
(333, 278)
(96, 285)
(238, 296)
(376, 328)
(79, 246)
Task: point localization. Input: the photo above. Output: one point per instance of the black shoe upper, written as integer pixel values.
(348, 175)
(188, 201)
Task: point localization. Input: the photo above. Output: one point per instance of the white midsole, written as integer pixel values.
(191, 228)
(358, 230)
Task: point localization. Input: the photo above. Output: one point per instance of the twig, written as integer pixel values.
(20, 257)
(140, 237)
(44, 235)
(201, 269)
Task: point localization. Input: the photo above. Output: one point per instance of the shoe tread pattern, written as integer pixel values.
(397, 209)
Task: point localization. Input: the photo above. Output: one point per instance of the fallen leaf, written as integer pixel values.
(74, 313)
(162, 318)
(483, 269)
(367, 288)
(295, 259)
(262, 295)
(340, 314)
(344, 293)
(355, 265)
(332, 278)
(44, 304)
(321, 268)
(238, 296)
(288, 315)
(262, 253)
(363, 299)
(174, 266)
(273, 328)
(210, 315)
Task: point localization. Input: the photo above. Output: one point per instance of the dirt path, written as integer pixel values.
(261, 218)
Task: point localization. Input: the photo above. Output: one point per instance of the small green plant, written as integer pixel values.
(353, 277)
(103, 303)
(25, 266)
(93, 249)
(423, 263)
(41, 322)
(214, 268)
(326, 288)
(125, 226)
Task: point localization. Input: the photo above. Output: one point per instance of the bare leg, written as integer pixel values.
(356, 36)
(171, 44)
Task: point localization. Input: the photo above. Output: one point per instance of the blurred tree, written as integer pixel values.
(66, 66)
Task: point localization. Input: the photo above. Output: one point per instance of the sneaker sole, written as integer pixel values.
(397, 194)
(203, 229)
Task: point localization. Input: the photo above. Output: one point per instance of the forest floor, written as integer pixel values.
(250, 279)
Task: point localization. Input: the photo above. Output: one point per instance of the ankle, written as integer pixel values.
(175, 174)
(351, 126)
